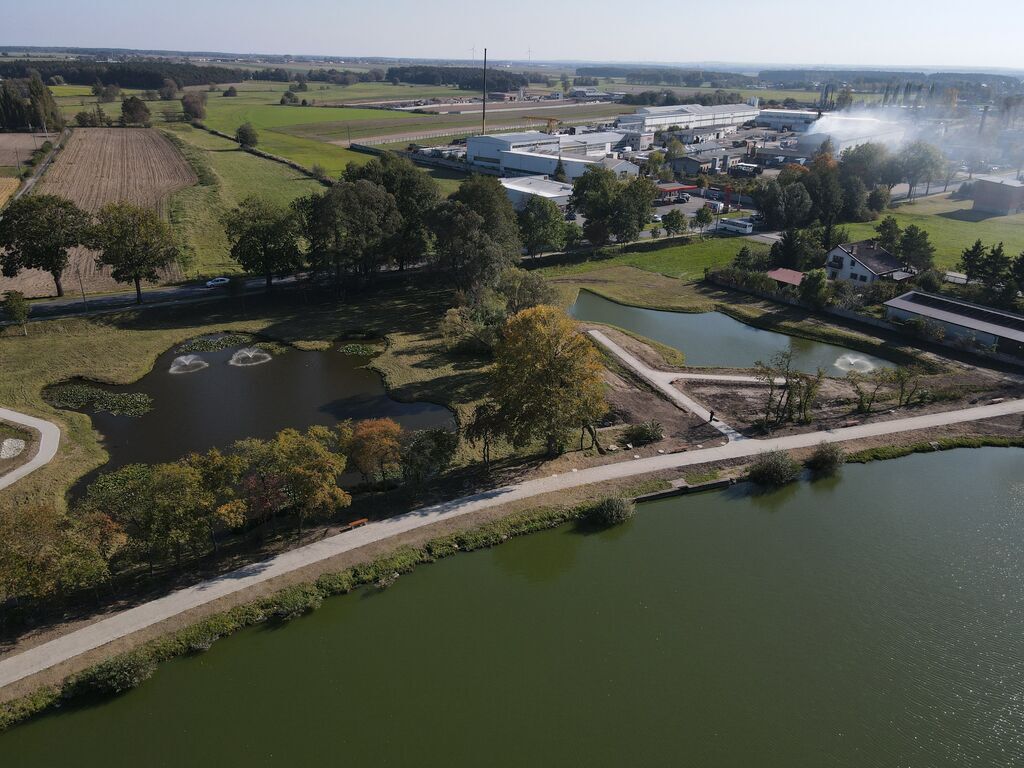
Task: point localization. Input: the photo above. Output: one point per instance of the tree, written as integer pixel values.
(995, 267)
(919, 161)
(465, 250)
(134, 242)
(193, 104)
(632, 208)
(972, 261)
(246, 134)
(855, 196)
(916, 249)
(594, 195)
(134, 111)
(878, 199)
(674, 222)
(263, 237)
(17, 308)
(703, 218)
(485, 196)
(522, 289)
(427, 453)
(37, 232)
(889, 234)
(814, 288)
(541, 226)
(168, 90)
(231, 91)
(375, 447)
(309, 471)
(547, 378)
(484, 428)
(560, 174)
(416, 195)
(865, 162)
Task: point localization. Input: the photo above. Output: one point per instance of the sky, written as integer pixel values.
(925, 33)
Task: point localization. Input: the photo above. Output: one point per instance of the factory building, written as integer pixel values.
(686, 117)
(520, 189)
(532, 153)
(998, 195)
(796, 120)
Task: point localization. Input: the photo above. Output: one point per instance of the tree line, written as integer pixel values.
(128, 74)
(27, 102)
(464, 78)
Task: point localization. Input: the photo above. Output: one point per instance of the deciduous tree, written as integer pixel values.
(37, 232)
(263, 237)
(541, 226)
(134, 242)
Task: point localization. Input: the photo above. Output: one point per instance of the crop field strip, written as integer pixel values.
(18, 147)
(100, 166)
(8, 186)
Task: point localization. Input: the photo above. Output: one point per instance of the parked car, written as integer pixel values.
(217, 282)
(684, 198)
(656, 218)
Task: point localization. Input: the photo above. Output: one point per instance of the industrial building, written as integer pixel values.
(532, 153)
(846, 131)
(687, 117)
(962, 320)
(796, 120)
(712, 162)
(998, 195)
(521, 188)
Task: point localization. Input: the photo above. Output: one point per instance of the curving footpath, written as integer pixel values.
(33, 660)
(49, 441)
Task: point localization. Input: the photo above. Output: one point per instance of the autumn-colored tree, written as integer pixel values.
(375, 447)
(219, 474)
(547, 378)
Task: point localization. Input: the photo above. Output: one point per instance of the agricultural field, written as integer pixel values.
(18, 147)
(764, 94)
(103, 165)
(952, 227)
(8, 186)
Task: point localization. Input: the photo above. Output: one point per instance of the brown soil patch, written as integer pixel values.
(18, 147)
(99, 166)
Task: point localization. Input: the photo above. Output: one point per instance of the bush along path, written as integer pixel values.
(20, 665)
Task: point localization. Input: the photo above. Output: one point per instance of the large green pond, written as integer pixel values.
(872, 620)
(715, 340)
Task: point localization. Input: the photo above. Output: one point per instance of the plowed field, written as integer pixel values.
(100, 166)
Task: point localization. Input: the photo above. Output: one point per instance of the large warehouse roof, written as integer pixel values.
(1005, 325)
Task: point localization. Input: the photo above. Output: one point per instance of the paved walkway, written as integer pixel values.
(662, 381)
(49, 441)
(119, 625)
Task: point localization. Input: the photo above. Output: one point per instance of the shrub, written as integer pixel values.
(613, 511)
(121, 673)
(292, 602)
(774, 469)
(644, 433)
(826, 459)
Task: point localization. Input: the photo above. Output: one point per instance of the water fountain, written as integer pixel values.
(188, 364)
(249, 356)
(851, 362)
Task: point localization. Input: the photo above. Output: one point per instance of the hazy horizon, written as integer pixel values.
(913, 34)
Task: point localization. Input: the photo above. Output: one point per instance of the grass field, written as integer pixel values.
(226, 174)
(683, 259)
(952, 226)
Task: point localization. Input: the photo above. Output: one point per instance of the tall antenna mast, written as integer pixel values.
(483, 125)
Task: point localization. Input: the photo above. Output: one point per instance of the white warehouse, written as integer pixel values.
(687, 117)
(797, 120)
(532, 153)
(521, 188)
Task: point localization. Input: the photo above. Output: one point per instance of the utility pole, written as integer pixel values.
(483, 124)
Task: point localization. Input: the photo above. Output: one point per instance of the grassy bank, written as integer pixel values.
(882, 453)
(120, 348)
(128, 670)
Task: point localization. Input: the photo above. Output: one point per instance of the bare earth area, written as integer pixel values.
(18, 147)
(99, 166)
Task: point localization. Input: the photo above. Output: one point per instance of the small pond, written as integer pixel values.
(211, 399)
(715, 340)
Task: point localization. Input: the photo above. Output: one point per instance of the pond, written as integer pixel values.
(850, 622)
(209, 399)
(715, 340)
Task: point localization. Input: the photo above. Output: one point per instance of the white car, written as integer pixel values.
(656, 218)
(217, 282)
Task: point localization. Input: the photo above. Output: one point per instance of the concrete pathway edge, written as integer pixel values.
(49, 442)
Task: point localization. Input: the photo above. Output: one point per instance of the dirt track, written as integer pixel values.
(100, 166)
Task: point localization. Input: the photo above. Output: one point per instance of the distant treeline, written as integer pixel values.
(148, 75)
(669, 76)
(466, 78)
(877, 80)
(670, 99)
(28, 102)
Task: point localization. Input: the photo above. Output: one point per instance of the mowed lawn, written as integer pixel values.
(952, 227)
(685, 259)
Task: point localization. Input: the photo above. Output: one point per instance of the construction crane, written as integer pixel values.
(553, 122)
